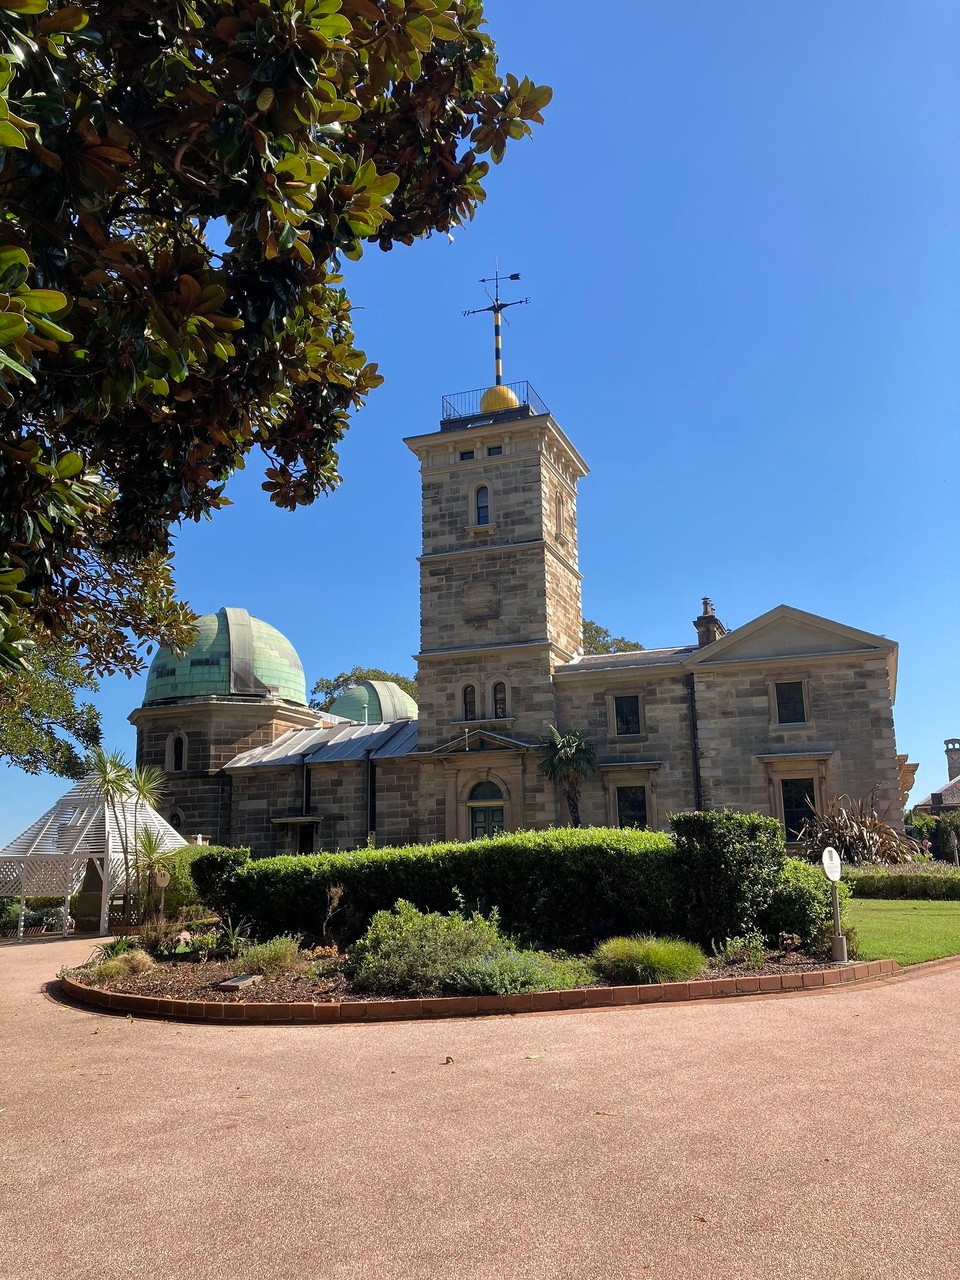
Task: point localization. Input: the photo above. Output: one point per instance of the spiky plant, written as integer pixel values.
(858, 832)
(568, 758)
(150, 857)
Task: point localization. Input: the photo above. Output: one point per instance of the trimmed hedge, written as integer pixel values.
(802, 904)
(213, 873)
(563, 888)
(727, 866)
(943, 886)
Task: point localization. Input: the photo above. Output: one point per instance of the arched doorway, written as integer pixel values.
(485, 807)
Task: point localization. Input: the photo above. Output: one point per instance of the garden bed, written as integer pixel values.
(230, 1008)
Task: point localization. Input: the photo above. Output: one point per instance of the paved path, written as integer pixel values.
(784, 1138)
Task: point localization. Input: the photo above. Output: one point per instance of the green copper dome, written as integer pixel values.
(374, 702)
(233, 654)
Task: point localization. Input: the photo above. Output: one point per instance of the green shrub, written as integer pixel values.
(727, 866)
(557, 889)
(213, 872)
(802, 904)
(273, 958)
(927, 881)
(181, 892)
(410, 952)
(749, 950)
(630, 960)
(511, 971)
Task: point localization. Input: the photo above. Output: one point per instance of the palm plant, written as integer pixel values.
(568, 758)
(150, 857)
(858, 832)
(108, 776)
(146, 787)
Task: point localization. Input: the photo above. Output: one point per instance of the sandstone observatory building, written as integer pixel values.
(787, 708)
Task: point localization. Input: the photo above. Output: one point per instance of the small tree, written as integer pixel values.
(151, 857)
(111, 777)
(568, 758)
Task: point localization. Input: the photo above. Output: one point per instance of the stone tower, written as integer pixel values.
(499, 586)
(499, 583)
(240, 685)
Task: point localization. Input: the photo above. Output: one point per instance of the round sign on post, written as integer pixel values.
(161, 877)
(832, 866)
(832, 869)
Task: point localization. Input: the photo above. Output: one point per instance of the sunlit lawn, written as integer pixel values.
(907, 931)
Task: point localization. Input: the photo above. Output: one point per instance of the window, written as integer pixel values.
(305, 837)
(470, 702)
(176, 820)
(559, 516)
(495, 451)
(791, 705)
(627, 714)
(466, 455)
(485, 805)
(499, 700)
(798, 794)
(482, 501)
(179, 753)
(631, 806)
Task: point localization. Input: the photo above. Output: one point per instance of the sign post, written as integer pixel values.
(832, 869)
(161, 878)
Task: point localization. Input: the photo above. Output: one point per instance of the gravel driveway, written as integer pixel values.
(789, 1138)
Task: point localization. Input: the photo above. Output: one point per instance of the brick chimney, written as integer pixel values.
(710, 628)
(953, 758)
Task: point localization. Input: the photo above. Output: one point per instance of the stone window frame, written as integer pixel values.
(630, 775)
(610, 697)
(462, 717)
(473, 525)
(170, 749)
(490, 702)
(787, 726)
(797, 764)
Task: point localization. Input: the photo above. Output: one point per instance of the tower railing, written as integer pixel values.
(463, 407)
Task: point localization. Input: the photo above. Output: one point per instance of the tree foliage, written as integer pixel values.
(180, 183)
(44, 727)
(325, 692)
(597, 639)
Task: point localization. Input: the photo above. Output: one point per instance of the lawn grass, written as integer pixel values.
(906, 930)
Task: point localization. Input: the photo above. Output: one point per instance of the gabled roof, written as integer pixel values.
(785, 632)
(948, 796)
(626, 661)
(494, 741)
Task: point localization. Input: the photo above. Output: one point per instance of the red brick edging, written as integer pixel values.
(465, 1006)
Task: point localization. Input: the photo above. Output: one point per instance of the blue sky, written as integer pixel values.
(739, 231)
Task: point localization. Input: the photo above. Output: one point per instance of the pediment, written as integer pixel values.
(479, 740)
(785, 632)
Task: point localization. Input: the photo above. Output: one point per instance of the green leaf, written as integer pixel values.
(10, 136)
(12, 327)
(70, 465)
(10, 363)
(43, 301)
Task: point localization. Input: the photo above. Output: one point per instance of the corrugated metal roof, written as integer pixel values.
(324, 746)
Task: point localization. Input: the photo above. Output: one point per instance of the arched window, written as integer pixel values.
(469, 702)
(482, 501)
(485, 791)
(176, 756)
(485, 807)
(500, 700)
(176, 820)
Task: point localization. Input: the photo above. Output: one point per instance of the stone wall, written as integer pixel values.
(530, 693)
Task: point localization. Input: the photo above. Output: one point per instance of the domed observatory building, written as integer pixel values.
(239, 686)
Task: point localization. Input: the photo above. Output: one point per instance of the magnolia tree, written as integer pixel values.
(181, 181)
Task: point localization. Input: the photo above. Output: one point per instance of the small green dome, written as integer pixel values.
(233, 654)
(374, 702)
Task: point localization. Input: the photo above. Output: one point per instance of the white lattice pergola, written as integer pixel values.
(52, 855)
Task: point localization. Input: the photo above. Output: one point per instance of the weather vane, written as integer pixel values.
(496, 306)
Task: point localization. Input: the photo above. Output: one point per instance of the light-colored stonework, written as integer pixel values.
(786, 706)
